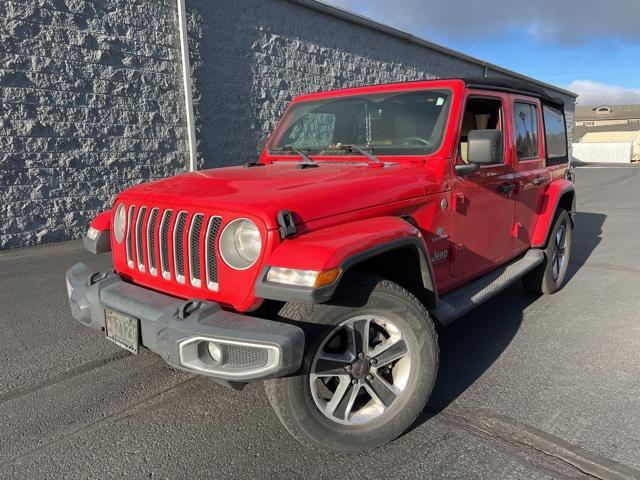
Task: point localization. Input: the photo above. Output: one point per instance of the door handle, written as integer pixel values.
(539, 180)
(507, 187)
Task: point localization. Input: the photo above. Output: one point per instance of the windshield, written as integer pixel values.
(397, 123)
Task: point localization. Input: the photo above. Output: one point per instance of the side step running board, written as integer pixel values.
(457, 303)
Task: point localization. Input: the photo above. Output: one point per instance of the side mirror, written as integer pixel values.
(485, 147)
(466, 169)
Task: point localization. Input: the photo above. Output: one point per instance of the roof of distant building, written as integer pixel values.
(581, 131)
(613, 112)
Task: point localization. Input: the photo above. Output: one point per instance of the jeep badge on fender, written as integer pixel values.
(321, 267)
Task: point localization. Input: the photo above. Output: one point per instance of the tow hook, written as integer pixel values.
(97, 277)
(187, 308)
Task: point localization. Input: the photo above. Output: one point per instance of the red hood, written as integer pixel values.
(310, 193)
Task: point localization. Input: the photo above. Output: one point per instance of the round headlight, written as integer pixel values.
(240, 244)
(119, 222)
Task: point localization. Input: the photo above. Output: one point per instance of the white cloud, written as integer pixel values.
(595, 93)
(559, 21)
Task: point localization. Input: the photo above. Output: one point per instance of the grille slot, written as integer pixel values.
(211, 259)
(164, 244)
(139, 245)
(172, 244)
(129, 241)
(194, 249)
(178, 246)
(151, 242)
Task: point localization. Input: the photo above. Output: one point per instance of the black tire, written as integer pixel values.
(292, 397)
(550, 275)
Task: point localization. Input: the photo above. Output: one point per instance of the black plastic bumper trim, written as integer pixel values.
(101, 244)
(162, 331)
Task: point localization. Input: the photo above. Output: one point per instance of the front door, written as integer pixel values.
(483, 201)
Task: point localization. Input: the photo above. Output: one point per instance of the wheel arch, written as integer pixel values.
(388, 246)
(404, 261)
(559, 195)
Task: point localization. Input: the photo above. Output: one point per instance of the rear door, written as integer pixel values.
(483, 208)
(530, 173)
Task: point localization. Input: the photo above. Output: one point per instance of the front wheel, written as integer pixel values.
(368, 369)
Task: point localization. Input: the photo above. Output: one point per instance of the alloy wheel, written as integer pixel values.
(360, 370)
(559, 254)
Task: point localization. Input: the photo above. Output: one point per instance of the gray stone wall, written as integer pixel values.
(91, 97)
(91, 102)
(249, 58)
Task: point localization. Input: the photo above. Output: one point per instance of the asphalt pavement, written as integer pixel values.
(529, 386)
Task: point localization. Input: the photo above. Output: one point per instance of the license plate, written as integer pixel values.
(123, 330)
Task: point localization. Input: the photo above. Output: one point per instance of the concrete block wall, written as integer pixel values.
(249, 58)
(91, 94)
(90, 102)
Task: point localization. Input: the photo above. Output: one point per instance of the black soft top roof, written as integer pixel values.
(513, 86)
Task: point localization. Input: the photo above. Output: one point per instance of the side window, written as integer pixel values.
(479, 114)
(526, 123)
(555, 135)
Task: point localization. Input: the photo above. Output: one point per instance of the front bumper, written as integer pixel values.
(179, 331)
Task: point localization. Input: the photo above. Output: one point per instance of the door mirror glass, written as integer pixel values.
(485, 147)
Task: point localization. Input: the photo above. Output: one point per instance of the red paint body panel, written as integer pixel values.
(328, 247)
(102, 221)
(546, 210)
(349, 204)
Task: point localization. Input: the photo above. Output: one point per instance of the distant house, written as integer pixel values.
(609, 124)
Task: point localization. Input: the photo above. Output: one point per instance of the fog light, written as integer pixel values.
(215, 352)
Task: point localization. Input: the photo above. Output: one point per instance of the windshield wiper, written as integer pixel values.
(306, 159)
(360, 150)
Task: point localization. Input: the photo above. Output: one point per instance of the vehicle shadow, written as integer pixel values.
(587, 235)
(473, 343)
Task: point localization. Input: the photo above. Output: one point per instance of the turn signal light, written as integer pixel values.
(326, 277)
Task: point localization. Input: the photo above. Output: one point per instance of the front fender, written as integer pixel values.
(547, 208)
(341, 246)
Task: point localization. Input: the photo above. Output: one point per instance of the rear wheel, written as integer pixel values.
(549, 276)
(368, 370)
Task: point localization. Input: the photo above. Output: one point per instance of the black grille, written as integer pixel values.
(139, 227)
(194, 245)
(166, 236)
(212, 256)
(178, 248)
(151, 241)
(164, 242)
(129, 247)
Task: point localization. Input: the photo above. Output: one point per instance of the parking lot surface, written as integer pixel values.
(529, 386)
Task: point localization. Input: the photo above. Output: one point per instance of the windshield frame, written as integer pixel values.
(331, 153)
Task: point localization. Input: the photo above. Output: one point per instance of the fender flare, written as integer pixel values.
(98, 238)
(358, 241)
(102, 221)
(547, 207)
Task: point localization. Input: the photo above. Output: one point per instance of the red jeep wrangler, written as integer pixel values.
(320, 267)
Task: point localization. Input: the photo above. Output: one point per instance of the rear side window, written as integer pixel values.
(526, 119)
(555, 135)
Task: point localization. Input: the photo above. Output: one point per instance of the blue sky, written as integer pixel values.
(589, 46)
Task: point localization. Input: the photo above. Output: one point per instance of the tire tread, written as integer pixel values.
(276, 393)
